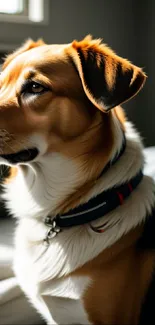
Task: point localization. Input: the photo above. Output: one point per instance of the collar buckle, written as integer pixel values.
(53, 231)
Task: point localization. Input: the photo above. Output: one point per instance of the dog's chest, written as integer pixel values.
(63, 298)
(62, 295)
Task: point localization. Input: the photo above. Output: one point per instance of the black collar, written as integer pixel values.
(96, 207)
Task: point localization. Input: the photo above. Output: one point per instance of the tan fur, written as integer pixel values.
(67, 116)
(124, 273)
(29, 44)
(120, 114)
(12, 174)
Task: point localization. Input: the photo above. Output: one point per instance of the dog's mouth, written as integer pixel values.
(22, 156)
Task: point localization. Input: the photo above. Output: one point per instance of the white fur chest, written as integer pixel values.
(42, 274)
(58, 300)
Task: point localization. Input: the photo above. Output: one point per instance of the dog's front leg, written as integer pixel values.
(40, 304)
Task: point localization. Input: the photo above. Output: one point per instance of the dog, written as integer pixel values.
(76, 183)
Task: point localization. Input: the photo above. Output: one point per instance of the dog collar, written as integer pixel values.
(94, 209)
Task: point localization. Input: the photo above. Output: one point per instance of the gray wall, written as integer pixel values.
(127, 26)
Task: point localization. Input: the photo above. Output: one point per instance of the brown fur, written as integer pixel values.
(67, 116)
(94, 50)
(120, 277)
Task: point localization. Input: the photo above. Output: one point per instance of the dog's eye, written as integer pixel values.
(33, 88)
(36, 88)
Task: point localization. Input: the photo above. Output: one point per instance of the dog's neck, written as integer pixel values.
(43, 187)
(59, 177)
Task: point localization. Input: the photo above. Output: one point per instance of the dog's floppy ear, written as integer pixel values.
(108, 80)
(28, 45)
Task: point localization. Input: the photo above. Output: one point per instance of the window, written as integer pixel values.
(22, 11)
(23, 19)
(11, 6)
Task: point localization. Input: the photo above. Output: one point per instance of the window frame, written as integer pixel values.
(13, 34)
(24, 19)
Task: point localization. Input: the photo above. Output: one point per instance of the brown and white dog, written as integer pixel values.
(60, 125)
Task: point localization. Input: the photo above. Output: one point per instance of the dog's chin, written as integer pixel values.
(20, 157)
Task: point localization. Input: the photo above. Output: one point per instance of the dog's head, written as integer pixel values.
(56, 97)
